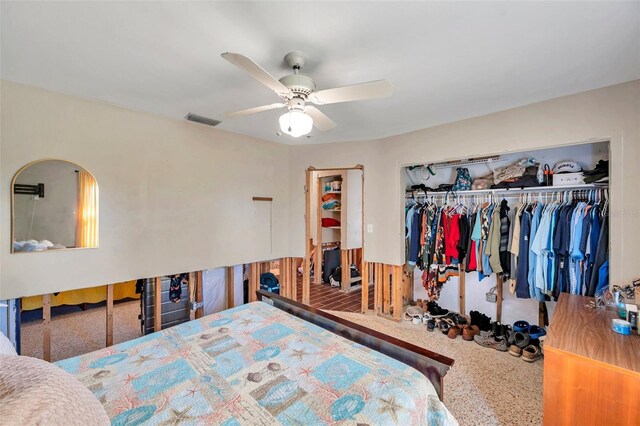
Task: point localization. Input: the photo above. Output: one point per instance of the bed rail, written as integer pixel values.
(433, 365)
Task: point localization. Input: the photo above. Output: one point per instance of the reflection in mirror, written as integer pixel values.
(55, 206)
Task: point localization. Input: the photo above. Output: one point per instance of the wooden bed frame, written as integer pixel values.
(433, 365)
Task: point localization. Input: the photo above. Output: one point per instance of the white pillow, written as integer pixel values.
(6, 347)
(34, 392)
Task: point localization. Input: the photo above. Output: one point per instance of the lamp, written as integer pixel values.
(296, 123)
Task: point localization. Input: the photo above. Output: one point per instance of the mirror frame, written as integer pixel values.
(13, 181)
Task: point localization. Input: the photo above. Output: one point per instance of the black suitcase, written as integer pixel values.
(331, 262)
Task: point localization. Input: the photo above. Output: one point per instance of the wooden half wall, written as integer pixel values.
(392, 289)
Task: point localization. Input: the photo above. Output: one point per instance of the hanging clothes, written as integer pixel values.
(540, 247)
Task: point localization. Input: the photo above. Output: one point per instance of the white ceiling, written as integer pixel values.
(447, 61)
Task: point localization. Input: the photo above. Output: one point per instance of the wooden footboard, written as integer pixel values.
(433, 365)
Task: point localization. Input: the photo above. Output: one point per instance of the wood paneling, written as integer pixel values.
(230, 281)
(386, 288)
(587, 332)
(396, 288)
(199, 294)
(591, 374)
(581, 391)
(254, 281)
(191, 289)
(346, 270)
(377, 286)
(499, 296)
(317, 276)
(157, 305)
(109, 337)
(46, 327)
(306, 265)
(365, 288)
(462, 280)
(407, 284)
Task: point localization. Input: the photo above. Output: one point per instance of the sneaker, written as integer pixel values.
(431, 324)
(435, 311)
(531, 353)
(502, 346)
(515, 351)
(487, 340)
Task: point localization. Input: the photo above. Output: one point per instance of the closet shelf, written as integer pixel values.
(332, 227)
(332, 210)
(513, 190)
(333, 192)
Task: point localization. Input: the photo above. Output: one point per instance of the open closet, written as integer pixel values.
(505, 234)
(334, 238)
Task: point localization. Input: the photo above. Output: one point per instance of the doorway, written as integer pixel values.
(334, 239)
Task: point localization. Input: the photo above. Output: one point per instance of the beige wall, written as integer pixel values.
(609, 113)
(174, 196)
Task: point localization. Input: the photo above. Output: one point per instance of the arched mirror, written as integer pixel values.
(54, 206)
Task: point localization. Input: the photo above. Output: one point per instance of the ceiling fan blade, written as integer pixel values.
(355, 92)
(257, 72)
(320, 120)
(254, 110)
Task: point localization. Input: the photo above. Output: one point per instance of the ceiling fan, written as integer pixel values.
(297, 90)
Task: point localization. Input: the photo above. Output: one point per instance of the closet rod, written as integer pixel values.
(584, 187)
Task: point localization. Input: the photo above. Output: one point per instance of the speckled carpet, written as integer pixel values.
(484, 387)
(80, 332)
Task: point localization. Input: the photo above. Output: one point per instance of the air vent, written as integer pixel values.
(202, 120)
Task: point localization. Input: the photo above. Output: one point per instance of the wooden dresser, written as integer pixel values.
(591, 374)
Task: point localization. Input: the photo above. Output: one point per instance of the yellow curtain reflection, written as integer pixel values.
(87, 220)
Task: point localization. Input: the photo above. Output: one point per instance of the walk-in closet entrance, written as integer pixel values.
(505, 234)
(332, 277)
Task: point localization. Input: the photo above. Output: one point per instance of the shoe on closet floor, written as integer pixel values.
(501, 346)
(431, 324)
(457, 318)
(536, 332)
(444, 324)
(500, 330)
(454, 332)
(481, 320)
(435, 311)
(531, 353)
(521, 340)
(469, 331)
(515, 350)
(486, 339)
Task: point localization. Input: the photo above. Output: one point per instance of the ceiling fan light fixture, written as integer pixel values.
(296, 123)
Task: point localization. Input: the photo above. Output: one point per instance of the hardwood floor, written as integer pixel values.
(331, 298)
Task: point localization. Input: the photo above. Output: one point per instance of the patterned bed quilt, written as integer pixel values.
(257, 365)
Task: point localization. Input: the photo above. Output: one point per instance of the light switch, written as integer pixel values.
(370, 228)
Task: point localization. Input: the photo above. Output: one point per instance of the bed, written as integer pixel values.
(269, 362)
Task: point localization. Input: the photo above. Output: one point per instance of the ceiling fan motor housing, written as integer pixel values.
(299, 84)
